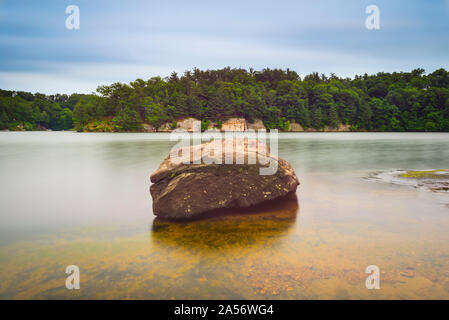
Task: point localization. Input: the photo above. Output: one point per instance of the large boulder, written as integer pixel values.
(182, 191)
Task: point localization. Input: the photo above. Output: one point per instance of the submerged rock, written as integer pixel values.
(431, 180)
(182, 191)
(427, 174)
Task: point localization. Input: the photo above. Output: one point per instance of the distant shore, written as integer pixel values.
(238, 99)
(195, 125)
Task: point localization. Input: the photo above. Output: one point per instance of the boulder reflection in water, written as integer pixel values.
(263, 224)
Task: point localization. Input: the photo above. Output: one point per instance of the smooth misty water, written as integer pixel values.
(83, 199)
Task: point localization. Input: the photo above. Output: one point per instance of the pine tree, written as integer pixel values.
(80, 115)
(317, 118)
(130, 119)
(333, 117)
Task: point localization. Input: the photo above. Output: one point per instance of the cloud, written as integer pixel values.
(120, 42)
(75, 77)
(204, 53)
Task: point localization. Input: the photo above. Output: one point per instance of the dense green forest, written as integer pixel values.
(404, 101)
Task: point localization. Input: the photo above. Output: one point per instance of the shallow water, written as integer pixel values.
(82, 199)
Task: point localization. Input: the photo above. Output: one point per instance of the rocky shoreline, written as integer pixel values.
(233, 124)
(193, 124)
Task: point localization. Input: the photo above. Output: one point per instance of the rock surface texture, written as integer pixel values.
(189, 124)
(183, 191)
(234, 124)
(256, 125)
(296, 127)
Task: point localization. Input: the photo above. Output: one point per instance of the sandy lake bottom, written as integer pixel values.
(83, 199)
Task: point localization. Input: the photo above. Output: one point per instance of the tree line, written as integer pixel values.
(399, 101)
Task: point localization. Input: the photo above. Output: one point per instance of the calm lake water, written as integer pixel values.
(83, 199)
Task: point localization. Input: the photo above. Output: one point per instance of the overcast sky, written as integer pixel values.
(125, 40)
